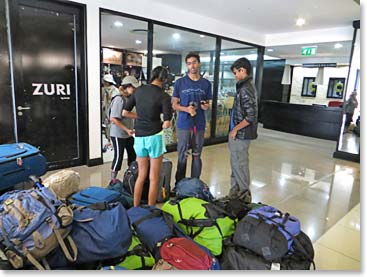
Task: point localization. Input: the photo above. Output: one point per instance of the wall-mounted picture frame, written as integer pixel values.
(111, 56)
(336, 88)
(309, 87)
(134, 59)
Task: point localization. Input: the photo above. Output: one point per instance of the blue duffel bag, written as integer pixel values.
(101, 232)
(18, 161)
(268, 232)
(193, 187)
(153, 227)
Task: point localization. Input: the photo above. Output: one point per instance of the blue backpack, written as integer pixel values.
(101, 232)
(268, 232)
(153, 227)
(193, 187)
(32, 224)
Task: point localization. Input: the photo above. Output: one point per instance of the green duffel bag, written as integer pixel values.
(203, 221)
(138, 256)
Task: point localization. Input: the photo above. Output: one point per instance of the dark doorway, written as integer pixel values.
(48, 42)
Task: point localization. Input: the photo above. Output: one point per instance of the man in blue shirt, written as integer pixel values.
(191, 97)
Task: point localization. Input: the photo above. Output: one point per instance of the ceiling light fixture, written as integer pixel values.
(300, 21)
(202, 36)
(118, 24)
(176, 36)
(270, 50)
(338, 45)
(138, 41)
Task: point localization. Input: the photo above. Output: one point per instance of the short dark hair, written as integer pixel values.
(161, 73)
(192, 55)
(242, 63)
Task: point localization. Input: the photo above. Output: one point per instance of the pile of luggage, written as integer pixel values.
(55, 225)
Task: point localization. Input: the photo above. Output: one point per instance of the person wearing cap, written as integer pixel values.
(122, 127)
(109, 90)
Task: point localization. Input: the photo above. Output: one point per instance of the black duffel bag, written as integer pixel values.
(239, 258)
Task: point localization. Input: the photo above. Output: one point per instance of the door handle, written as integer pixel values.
(23, 108)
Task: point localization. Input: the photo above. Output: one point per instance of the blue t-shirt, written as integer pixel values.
(188, 91)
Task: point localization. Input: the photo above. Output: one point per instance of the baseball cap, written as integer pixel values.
(109, 78)
(130, 80)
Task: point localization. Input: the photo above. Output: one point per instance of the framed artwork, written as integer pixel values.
(134, 59)
(309, 87)
(336, 88)
(112, 56)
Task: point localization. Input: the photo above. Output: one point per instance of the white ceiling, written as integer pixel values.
(124, 38)
(274, 16)
(323, 50)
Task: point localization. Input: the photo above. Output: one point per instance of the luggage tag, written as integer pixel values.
(19, 161)
(275, 266)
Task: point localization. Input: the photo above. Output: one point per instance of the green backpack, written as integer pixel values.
(203, 221)
(138, 256)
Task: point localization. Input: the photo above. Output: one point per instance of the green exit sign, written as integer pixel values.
(309, 51)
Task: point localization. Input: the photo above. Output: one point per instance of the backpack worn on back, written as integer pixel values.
(268, 232)
(193, 187)
(108, 113)
(204, 222)
(32, 224)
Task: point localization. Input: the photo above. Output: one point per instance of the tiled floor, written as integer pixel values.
(295, 174)
(333, 252)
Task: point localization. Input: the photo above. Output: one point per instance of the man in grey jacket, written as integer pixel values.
(243, 129)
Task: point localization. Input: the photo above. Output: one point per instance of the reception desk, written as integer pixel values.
(313, 121)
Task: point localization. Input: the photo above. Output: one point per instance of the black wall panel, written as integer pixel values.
(6, 109)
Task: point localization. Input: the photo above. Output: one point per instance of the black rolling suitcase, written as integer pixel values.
(18, 161)
(164, 183)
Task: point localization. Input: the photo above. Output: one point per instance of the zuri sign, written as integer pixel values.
(309, 51)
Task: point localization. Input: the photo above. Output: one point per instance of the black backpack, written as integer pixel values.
(239, 258)
(130, 176)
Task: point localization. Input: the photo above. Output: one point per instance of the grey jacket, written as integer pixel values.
(245, 107)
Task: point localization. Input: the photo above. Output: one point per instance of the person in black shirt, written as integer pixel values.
(150, 101)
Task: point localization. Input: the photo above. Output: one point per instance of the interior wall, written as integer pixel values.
(329, 72)
(6, 102)
(148, 9)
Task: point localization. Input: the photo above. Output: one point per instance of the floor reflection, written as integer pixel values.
(296, 174)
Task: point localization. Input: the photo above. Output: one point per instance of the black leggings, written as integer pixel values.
(119, 144)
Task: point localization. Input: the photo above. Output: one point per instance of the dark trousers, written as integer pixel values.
(119, 144)
(186, 140)
(348, 119)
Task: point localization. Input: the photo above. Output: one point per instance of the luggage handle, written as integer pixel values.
(16, 154)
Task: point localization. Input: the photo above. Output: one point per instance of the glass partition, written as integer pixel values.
(170, 47)
(230, 52)
(123, 52)
(349, 140)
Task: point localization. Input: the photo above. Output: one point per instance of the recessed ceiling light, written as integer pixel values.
(221, 53)
(138, 41)
(270, 50)
(176, 36)
(118, 24)
(202, 36)
(338, 45)
(300, 21)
